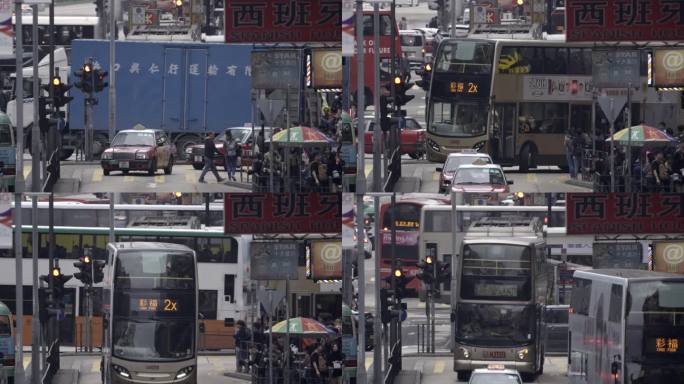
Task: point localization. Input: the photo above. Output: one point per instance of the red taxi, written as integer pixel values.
(139, 149)
(487, 178)
(411, 138)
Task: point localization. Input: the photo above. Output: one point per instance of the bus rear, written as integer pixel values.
(458, 99)
(153, 325)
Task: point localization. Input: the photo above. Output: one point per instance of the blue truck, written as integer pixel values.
(186, 89)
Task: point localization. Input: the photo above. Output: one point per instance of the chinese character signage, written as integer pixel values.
(466, 87)
(327, 68)
(624, 20)
(668, 68)
(326, 260)
(547, 88)
(617, 255)
(669, 257)
(274, 21)
(664, 345)
(276, 69)
(261, 213)
(624, 213)
(274, 260)
(615, 68)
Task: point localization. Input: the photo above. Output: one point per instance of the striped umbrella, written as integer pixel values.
(641, 135)
(302, 326)
(301, 136)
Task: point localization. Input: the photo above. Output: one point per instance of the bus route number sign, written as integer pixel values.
(155, 305)
(464, 87)
(667, 345)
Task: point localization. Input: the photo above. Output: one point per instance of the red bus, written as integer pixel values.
(386, 26)
(407, 227)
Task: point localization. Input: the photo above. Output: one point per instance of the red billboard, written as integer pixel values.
(275, 21)
(282, 213)
(624, 213)
(620, 20)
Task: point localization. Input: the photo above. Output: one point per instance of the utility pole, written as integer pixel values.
(112, 72)
(360, 101)
(36, 153)
(35, 323)
(19, 188)
(377, 169)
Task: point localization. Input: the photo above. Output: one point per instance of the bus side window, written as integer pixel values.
(581, 294)
(614, 311)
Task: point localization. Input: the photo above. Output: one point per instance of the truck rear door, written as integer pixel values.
(184, 106)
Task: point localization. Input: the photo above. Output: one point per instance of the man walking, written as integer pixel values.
(210, 152)
(242, 338)
(231, 152)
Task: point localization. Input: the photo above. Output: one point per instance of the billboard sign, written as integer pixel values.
(669, 256)
(327, 68)
(348, 36)
(611, 20)
(668, 68)
(615, 69)
(326, 260)
(282, 213)
(557, 88)
(6, 30)
(617, 255)
(624, 213)
(5, 221)
(274, 260)
(283, 21)
(276, 69)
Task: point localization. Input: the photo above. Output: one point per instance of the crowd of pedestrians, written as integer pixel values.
(312, 361)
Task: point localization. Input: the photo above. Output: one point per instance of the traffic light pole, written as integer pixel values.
(35, 131)
(377, 169)
(378, 336)
(35, 323)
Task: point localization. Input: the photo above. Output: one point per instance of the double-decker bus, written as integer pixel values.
(406, 216)
(626, 327)
(517, 99)
(500, 294)
(151, 327)
(388, 26)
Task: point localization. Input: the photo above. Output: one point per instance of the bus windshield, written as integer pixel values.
(655, 331)
(496, 272)
(494, 324)
(154, 270)
(466, 57)
(458, 119)
(151, 339)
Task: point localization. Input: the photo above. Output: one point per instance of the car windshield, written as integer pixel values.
(411, 40)
(469, 175)
(153, 340)
(454, 162)
(127, 139)
(494, 378)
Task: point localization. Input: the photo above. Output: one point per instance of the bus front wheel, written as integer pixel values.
(527, 158)
(528, 377)
(463, 375)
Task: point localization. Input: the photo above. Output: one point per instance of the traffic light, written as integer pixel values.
(98, 78)
(58, 282)
(385, 306)
(98, 272)
(59, 90)
(427, 272)
(44, 118)
(401, 280)
(385, 111)
(99, 8)
(85, 78)
(400, 89)
(84, 265)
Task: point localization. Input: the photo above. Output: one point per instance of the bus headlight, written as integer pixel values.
(121, 371)
(433, 145)
(478, 146)
(522, 354)
(465, 352)
(185, 372)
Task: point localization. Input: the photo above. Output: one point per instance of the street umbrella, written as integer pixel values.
(302, 326)
(301, 136)
(642, 135)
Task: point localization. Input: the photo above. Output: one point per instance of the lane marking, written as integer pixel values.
(191, 178)
(159, 179)
(128, 179)
(439, 366)
(532, 177)
(95, 367)
(97, 175)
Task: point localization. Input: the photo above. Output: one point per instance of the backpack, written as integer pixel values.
(322, 172)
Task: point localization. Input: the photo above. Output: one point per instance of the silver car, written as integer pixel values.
(495, 374)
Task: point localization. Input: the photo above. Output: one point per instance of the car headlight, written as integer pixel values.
(522, 354)
(121, 371)
(141, 155)
(184, 372)
(107, 156)
(465, 352)
(433, 145)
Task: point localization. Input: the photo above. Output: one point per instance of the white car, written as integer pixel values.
(495, 374)
(455, 160)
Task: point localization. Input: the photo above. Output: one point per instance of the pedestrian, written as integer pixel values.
(257, 173)
(231, 152)
(403, 24)
(210, 152)
(319, 174)
(678, 168)
(335, 359)
(242, 339)
(335, 172)
(660, 172)
(570, 153)
(319, 367)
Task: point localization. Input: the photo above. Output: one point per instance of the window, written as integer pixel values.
(229, 288)
(581, 295)
(543, 118)
(437, 221)
(207, 303)
(579, 61)
(385, 25)
(9, 297)
(555, 60)
(615, 313)
(466, 57)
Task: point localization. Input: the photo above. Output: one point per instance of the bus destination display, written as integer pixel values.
(664, 345)
(154, 305)
(499, 290)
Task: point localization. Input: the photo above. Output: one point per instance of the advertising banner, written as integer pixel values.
(617, 255)
(327, 68)
(5, 221)
(559, 88)
(613, 20)
(326, 260)
(668, 68)
(261, 213)
(276, 69)
(274, 260)
(348, 37)
(624, 213)
(286, 21)
(669, 257)
(6, 28)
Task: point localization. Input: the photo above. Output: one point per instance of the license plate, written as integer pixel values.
(495, 354)
(124, 164)
(198, 159)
